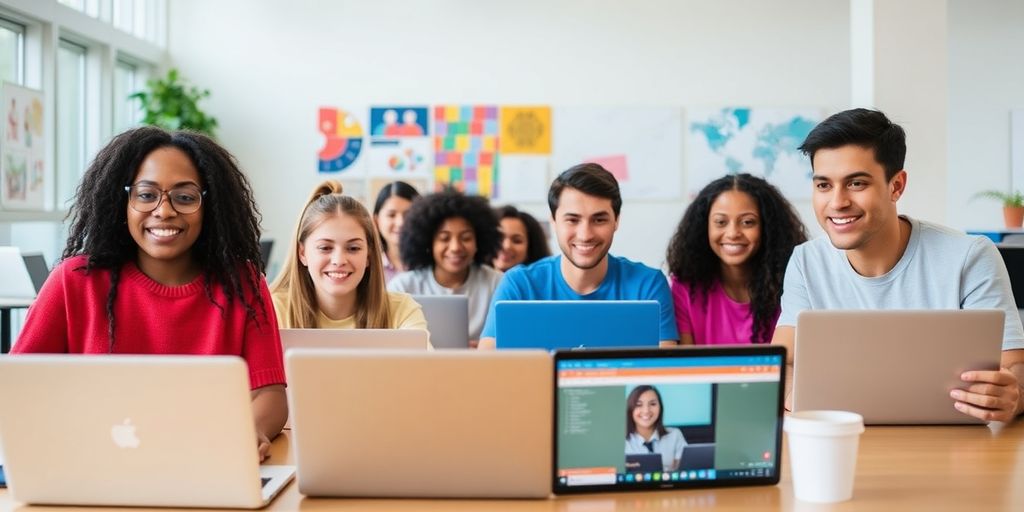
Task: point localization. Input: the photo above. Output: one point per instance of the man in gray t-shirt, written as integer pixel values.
(873, 258)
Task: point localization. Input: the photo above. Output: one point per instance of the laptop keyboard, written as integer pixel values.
(264, 481)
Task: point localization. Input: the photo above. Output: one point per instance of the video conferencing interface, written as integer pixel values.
(665, 420)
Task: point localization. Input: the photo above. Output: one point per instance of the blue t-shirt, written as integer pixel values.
(625, 280)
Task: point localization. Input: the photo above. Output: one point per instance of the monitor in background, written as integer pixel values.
(266, 245)
(1013, 257)
(146, 439)
(38, 271)
(444, 423)
(924, 351)
(16, 282)
(447, 319)
(554, 324)
(408, 339)
(597, 450)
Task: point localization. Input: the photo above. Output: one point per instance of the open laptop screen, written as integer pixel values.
(651, 419)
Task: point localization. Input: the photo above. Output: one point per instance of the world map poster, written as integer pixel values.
(758, 141)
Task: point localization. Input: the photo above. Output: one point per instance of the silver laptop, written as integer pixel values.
(16, 282)
(451, 423)
(892, 367)
(164, 431)
(410, 339)
(447, 319)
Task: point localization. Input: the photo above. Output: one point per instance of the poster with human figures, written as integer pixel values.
(22, 149)
(400, 143)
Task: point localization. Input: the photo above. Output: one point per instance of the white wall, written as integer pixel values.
(986, 81)
(270, 65)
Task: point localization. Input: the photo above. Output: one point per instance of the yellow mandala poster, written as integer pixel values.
(525, 130)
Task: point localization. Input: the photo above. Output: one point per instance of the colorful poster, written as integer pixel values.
(394, 121)
(641, 146)
(759, 141)
(525, 130)
(343, 141)
(22, 149)
(400, 143)
(466, 149)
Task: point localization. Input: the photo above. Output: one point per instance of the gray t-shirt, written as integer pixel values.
(478, 288)
(941, 269)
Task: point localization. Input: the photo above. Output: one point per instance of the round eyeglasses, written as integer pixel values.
(146, 198)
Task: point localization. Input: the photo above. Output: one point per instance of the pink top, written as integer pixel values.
(717, 321)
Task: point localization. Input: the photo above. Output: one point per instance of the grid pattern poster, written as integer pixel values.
(466, 149)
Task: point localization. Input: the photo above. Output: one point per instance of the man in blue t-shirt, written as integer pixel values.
(585, 204)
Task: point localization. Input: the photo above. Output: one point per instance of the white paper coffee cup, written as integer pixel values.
(823, 453)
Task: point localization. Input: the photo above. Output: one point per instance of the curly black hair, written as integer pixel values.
(536, 240)
(691, 260)
(227, 248)
(425, 217)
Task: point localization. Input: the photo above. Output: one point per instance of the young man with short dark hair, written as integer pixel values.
(874, 258)
(585, 203)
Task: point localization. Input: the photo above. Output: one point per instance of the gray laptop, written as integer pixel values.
(410, 339)
(150, 431)
(892, 367)
(447, 319)
(421, 424)
(37, 268)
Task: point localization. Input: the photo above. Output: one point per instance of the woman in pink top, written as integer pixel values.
(728, 258)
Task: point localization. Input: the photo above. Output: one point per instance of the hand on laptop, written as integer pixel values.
(990, 395)
(263, 446)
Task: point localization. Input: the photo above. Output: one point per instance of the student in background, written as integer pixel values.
(727, 259)
(585, 202)
(163, 257)
(522, 239)
(874, 258)
(333, 276)
(389, 214)
(646, 431)
(447, 244)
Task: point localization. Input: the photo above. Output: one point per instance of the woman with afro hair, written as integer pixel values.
(448, 242)
(163, 257)
(728, 258)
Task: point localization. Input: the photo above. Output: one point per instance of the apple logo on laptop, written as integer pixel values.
(124, 435)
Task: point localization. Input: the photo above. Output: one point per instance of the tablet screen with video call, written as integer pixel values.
(643, 419)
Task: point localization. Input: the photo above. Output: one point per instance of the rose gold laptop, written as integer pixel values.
(892, 367)
(421, 424)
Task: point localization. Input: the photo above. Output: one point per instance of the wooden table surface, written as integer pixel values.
(971, 468)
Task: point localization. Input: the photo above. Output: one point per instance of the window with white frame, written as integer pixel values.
(12, 52)
(129, 78)
(71, 112)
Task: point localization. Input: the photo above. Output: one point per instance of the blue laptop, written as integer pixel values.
(555, 324)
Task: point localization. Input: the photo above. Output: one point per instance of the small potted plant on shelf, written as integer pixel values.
(1013, 206)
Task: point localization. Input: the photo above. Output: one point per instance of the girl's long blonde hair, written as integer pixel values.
(373, 309)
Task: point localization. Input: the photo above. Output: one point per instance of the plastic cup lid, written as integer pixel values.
(824, 423)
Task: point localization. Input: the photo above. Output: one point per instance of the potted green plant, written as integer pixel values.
(173, 104)
(1013, 206)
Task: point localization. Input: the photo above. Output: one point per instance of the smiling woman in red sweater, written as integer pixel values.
(163, 258)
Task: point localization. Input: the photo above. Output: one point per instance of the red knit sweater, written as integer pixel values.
(69, 316)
